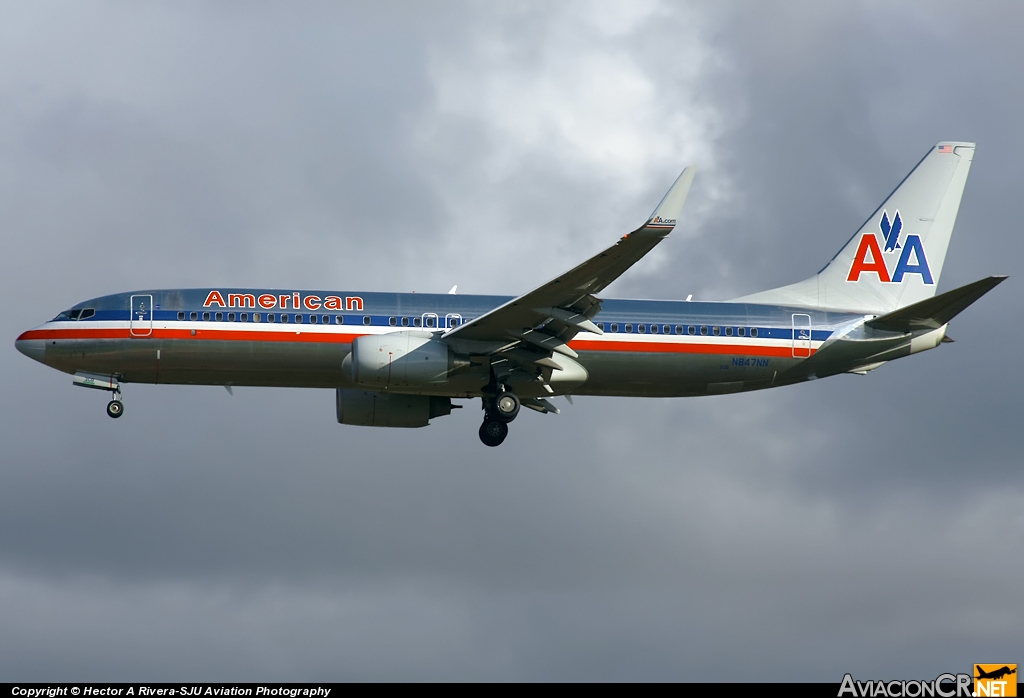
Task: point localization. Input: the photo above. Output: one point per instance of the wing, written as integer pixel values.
(545, 319)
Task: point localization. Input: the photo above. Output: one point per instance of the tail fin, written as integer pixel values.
(895, 259)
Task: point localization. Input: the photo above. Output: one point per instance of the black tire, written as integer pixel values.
(506, 407)
(115, 408)
(493, 432)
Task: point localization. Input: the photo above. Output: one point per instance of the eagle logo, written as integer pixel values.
(891, 233)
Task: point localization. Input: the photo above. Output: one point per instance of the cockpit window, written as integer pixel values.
(76, 314)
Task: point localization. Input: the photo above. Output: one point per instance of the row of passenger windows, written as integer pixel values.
(455, 320)
(424, 321)
(642, 328)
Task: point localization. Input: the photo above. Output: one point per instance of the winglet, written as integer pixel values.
(667, 212)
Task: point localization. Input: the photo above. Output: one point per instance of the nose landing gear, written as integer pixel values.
(108, 382)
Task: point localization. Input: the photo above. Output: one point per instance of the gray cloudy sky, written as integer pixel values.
(871, 525)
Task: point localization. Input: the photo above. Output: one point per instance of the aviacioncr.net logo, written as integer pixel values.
(945, 686)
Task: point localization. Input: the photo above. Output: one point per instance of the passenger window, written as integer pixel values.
(666, 330)
(393, 321)
(691, 330)
(312, 319)
(716, 331)
(753, 331)
(728, 332)
(615, 327)
(256, 317)
(271, 317)
(87, 313)
(654, 329)
(405, 322)
(629, 327)
(325, 320)
(416, 322)
(244, 317)
(641, 328)
(193, 315)
(679, 329)
(284, 317)
(231, 317)
(703, 329)
(430, 321)
(220, 317)
(366, 319)
(741, 331)
(298, 318)
(339, 319)
(206, 317)
(181, 315)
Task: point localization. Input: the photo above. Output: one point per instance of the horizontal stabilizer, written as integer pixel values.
(935, 312)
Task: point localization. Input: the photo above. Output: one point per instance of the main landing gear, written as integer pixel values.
(498, 412)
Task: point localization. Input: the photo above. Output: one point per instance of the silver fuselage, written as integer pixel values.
(649, 348)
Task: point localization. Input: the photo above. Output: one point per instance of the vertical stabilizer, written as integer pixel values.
(896, 257)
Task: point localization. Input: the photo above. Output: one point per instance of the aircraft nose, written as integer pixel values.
(32, 348)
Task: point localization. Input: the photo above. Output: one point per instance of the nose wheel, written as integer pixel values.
(115, 408)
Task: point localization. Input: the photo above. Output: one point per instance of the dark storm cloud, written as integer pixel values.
(856, 524)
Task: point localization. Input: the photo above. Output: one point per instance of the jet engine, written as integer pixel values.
(367, 408)
(401, 360)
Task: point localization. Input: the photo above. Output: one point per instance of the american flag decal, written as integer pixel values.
(945, 149)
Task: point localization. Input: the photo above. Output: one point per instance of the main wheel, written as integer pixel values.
(493, 432)
(115, 408)
(506, 407)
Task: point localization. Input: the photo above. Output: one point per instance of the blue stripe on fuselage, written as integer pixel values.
(772, 322)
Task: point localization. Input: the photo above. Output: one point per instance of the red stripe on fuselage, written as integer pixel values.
(671, 347)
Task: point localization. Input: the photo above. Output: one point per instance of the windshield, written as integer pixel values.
(76, 314)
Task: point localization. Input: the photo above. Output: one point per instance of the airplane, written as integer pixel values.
(995, 674)
(400, 359)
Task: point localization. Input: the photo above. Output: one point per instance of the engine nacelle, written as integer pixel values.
(400, 360)
(367, 408)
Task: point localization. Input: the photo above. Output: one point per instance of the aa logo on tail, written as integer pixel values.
(870, 258)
